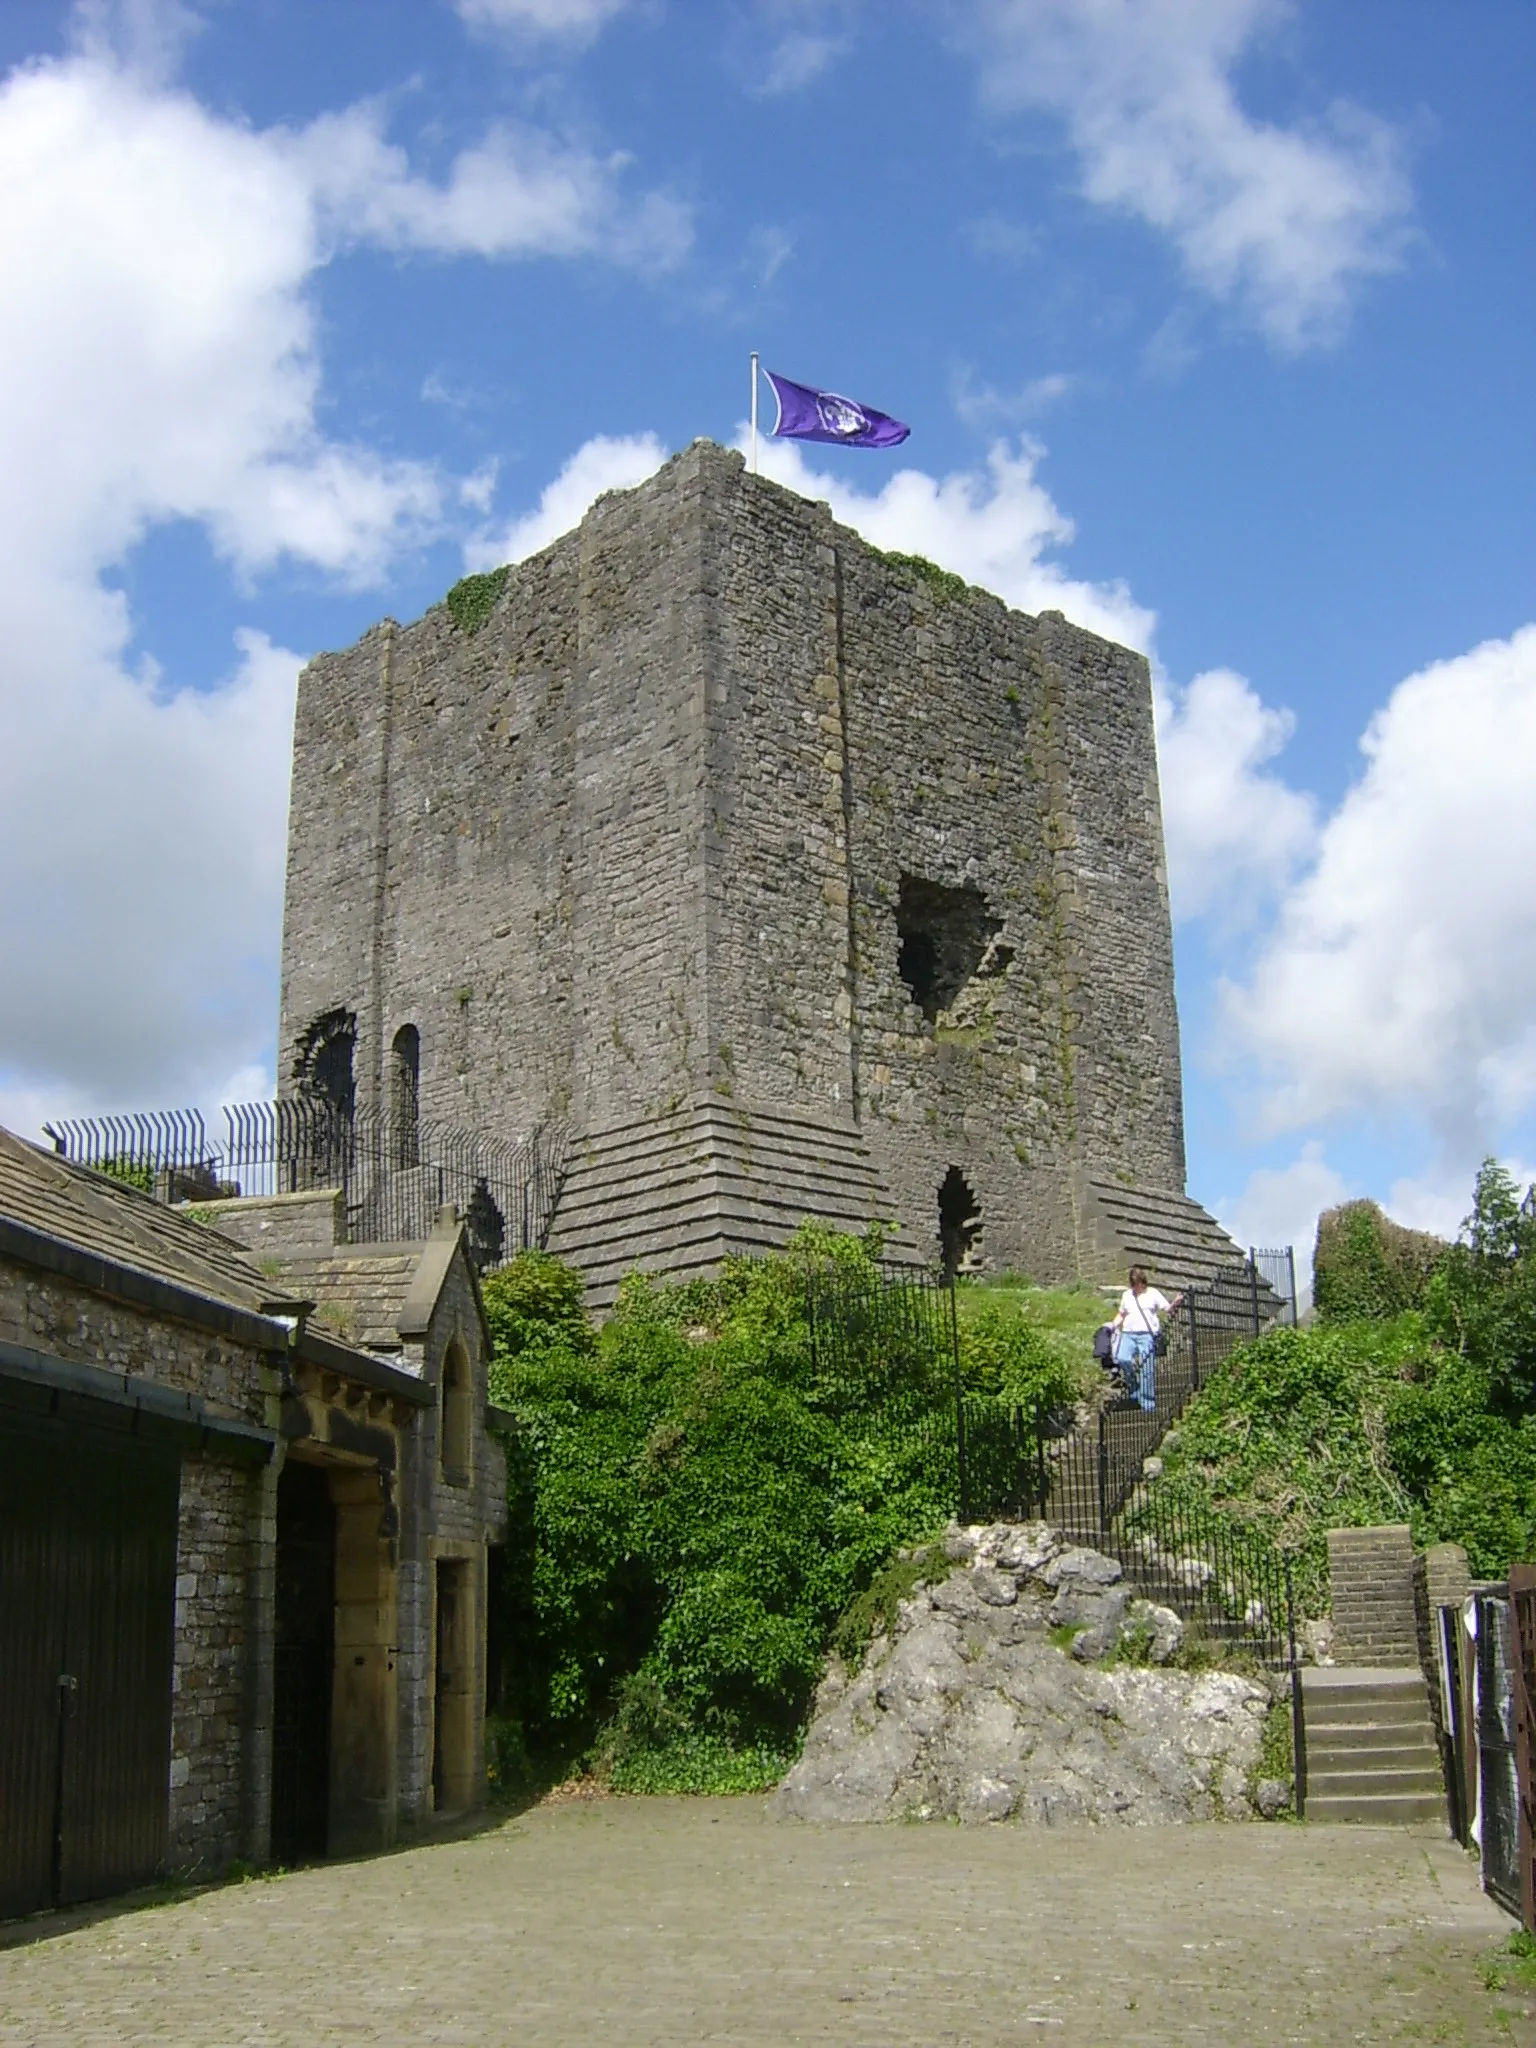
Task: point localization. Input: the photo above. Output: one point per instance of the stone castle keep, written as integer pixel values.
(792, 877)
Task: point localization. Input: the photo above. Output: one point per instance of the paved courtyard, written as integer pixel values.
(686, 1920)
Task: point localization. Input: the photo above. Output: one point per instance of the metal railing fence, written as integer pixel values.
(886, 1347)
(394, 1173)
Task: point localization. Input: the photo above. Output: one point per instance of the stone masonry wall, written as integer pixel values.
(1371, 1576)
(213, 1806)
(642, 835)
(55, 1316)
(211, 1688)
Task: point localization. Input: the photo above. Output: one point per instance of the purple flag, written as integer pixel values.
(809, 415)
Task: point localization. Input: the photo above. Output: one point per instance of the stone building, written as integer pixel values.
(797, 878)
(243, 1557)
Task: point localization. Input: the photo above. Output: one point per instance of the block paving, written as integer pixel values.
(685, 1921)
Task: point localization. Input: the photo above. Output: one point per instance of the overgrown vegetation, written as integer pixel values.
(1277, 1754)
(1424, 1416)
(1055, 1323)
(696, 1498)
(1367, 1265)
(944, 583)
(133, 1173)
(473, 598)
(704, 1500)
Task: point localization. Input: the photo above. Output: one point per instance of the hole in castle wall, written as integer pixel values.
(959, 1224)
(945, 937)
(322, 1064)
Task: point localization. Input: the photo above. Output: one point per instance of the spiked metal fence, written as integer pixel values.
(394, 1173)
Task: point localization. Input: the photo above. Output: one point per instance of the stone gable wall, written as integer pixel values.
(438, 1519)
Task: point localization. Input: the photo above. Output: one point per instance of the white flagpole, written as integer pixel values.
(754, 412)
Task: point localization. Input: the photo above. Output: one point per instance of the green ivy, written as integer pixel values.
(473, 598)
(942, 582)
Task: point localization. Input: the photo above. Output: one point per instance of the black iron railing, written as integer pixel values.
(394, 1173)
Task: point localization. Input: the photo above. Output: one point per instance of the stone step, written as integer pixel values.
(1391, 1809)
(1384, 1710)
(592, 1188)
(1352, 1684)
(1422, 1780)
(1384, 1749)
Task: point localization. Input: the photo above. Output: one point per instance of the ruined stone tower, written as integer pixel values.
(796, 878)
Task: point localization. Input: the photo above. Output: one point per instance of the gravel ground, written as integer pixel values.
(680, 1921)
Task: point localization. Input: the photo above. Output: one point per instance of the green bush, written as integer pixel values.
(695, 1497)
(1481, 1299)
(1004, 1356)
(1367, 1265)
(1422, 1416)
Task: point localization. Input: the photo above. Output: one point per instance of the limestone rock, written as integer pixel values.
(970, 1712)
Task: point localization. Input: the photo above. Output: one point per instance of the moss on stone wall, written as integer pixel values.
(943, 582)
(473, 598)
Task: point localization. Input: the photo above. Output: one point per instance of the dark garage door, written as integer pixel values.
(87, 1613)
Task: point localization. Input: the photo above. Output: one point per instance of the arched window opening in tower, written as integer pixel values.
(325, 1087)
(959, 1224)
(322, 1064)
(405, 1096)
(485, 1229)
(945, 939)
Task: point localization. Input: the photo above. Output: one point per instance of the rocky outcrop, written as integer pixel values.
(975, 1707)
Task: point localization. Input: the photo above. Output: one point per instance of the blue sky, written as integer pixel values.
(1212, 319)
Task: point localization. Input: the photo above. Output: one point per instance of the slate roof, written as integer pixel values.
(98, 1214)
(359, 1290)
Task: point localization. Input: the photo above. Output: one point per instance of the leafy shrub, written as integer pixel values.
(695, 1497)
(1422, 1417)
(133, 1173)
(1367, 1265)
(1004, 1356)
(534, 1302)
(1481, 1300)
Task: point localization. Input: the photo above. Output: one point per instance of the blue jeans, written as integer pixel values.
(1136, 1356)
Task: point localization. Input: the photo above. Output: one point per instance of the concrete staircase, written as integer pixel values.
(678, 1194)
(1371, 1750)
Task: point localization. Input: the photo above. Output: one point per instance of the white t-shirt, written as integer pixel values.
(1140, 1312)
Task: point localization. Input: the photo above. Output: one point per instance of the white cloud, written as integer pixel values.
(145, 840)
(570, 21)
(984, 406)
(1401, 975)
(1235, 834)
(605, 463)
(798, 59)
(1282, 223)
(994, 526)
(517, 193)
(1281, 1204)
(159, 362)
